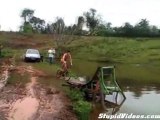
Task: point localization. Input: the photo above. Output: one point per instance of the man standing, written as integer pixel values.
(66, 61)
(50, 55)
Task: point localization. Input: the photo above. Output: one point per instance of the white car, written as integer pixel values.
(32, 55)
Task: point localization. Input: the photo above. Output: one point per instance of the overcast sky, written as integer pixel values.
(115, 11)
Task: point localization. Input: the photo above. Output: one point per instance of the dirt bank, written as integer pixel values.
(34, 101)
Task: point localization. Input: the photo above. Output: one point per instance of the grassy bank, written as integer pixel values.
(136, 51)
(102, 49)
(124, 50)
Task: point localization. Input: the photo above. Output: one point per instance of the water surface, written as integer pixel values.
(140, 83)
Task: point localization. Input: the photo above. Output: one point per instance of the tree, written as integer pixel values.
(127, 29)
(27, 28)
(58, 31)
(79, 25)
(27, 14)
(30, 21)
(154, 31)
(37, 24)
(142, 28)
(92, 20)
(101, 30)
(80, 22)
(104, 29)
(48, 28)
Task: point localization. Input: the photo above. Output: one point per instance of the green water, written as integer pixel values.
(140, 83)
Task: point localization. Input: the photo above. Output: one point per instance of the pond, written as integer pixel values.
(140, 83)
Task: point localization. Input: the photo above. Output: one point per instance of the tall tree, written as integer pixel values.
(92, 20)
(27, 14)
(58, 31)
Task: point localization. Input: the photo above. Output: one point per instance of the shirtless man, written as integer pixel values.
(66, 61)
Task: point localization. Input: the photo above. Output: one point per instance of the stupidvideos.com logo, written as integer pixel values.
(127, 116)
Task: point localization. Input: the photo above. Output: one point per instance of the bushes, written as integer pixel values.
(75, 95)
(6, 53)
(81, 107)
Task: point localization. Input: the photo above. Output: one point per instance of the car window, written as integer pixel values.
(32, 51)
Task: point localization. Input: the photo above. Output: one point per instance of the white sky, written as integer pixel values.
(115, 11)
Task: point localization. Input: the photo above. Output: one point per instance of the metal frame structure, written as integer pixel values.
(109, 88)
(105, 80)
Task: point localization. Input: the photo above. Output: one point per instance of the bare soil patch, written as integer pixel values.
(34, 101)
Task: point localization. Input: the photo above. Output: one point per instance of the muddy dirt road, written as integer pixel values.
(33, 101)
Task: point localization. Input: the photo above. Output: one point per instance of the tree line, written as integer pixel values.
(96, 26)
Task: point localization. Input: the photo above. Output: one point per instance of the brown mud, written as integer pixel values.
(34, 101)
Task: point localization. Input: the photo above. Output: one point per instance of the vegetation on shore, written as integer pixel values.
(121, 50)
(101, 49)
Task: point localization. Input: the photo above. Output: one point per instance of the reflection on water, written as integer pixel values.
(141, 84)
(147, 103)
(113, 103)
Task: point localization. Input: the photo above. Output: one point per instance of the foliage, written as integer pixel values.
(31, 23)
(37, 24)
(7, 53)
(75, 95)
(27, 14)
(92, 20)
(58, 31)
(104, 29)
(27, 28)
(113, 49)
(80, 22)
(80, 106)
(141, 29)
(82, 109)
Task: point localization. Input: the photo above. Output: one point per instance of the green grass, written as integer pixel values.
(110, 49)
(122, 50)
(82, 109)
(141, 74)
(143, 51)
(75, 94)
(7, 53)
(49, 79)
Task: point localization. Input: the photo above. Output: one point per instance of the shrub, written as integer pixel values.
(75, 95)
(7, 53)
(82, 109)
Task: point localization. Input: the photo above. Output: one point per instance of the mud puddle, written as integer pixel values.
(26, 108)
(34, 101)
